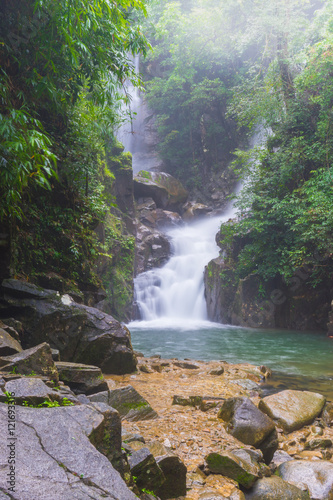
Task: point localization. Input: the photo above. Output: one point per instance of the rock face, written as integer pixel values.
(82, 334)
(55, 459)
(250, 425)
(130, 404)
(165, 190)
(274, 488)
(230, 465)
(291, 410)
(317, 477)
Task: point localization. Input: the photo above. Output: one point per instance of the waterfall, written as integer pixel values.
(137, 135)
(174, 293)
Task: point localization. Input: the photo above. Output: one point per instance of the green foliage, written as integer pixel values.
(285, 209)
(49, 404)
(63, 64)
(189, 76)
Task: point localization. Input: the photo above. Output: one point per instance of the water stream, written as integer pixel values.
(174, 319)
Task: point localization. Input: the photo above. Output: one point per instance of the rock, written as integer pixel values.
(107, 436)
(328, 414)
(131, 405)
(247, 384)
(37, 360)
(251, 426)
(187, 400)
(279, 458)
(152, 249)
(55, 354)
(13, 327)
(165, 190)
(234, 467)
(292, 410)
(145, 369)
(274, 488)
(217, 371)
(186, 365)
(145, 469)
(316, 443)
(82, 379)
(82, 334)
(55, 459)
(100, 397)
(128, 437)
(192, 210)
(30, 389)
(8, 344)
(174, 471)
(316, 476)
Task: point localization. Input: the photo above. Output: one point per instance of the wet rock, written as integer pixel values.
(174, 471)
(82, 379)
(131, 405)
(152, 249)
(145, 469)
(192, 210)
(145, 369)
(37, 360)
(234, 467)
(82, 334)
(62, 463)
(292, 410)
(13, 327)
(251, 426)
(8, 344)
(32, 390)
(316, 476)
(275, 488)
(165, 190)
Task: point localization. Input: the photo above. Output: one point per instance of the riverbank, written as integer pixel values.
(193, 432)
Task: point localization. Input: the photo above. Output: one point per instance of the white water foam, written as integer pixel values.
(173, 295)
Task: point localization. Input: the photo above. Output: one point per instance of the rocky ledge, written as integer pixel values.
(174, 429)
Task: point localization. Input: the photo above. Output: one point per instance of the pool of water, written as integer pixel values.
(298, 359)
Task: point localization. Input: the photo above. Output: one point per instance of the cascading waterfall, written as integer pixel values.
(175, 292)
(135, 135)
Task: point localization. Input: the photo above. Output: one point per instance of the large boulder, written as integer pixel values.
(31, 390)
(274, 488)
(174, 471)
(145, 469)
(291, 410)
(165, 190)
(316, 476)
(82, 379)
(37, 360)
(82, 334)
(230, 465)
(251, 426)
(54, 458)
